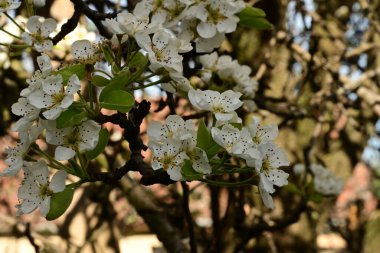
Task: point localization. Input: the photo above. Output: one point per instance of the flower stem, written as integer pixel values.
(248, 181)
(11, 34)
(14, 21)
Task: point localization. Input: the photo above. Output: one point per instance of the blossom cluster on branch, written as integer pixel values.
(63, 106)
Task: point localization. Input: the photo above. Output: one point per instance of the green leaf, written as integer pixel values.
(67, 72)
(59, 202)
(102, 143)
(100, 81)
(205, 140)
(107, 52)
(189, 173)
(71, 117)
(254, 18)
(117, 100)
(138, 61)
(117, 83)
(203, 135)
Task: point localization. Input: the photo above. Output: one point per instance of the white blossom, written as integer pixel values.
(197, 156)
(222, 105)
(15, 158)
(325, 181)
(83, 50)
(73, 139)
(36, 190)
(163, 50)
(170, 157)
(262, 134)
(39, 30)
(54, 97)
(272, 158)
(216, 16)
(174, 128)
(235, 141)
(177, 83)
(6, 5)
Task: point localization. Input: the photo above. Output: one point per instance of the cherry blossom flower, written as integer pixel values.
(36, 189)
(39, 30)
(216, 16)
(163, 50)
(15, 158)
(54, 97)
(170, 157)
(262, 134)
(73, 139)
(272, 158)
(174, 128)
(6, 5)
(84, 51)
(222, 105)
(197, 156)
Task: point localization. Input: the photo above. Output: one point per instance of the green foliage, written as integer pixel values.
(254, 18)
(100, 81)
(205, 141)
(189, 173)
(74, 115)
(102, 143)
(67, 72)
(59, 203)
(119, 100)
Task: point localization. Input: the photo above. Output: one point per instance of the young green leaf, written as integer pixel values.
(189, 173)
(100, 81)
(67, 72)
(102, 143)
(119, 82)
(254, 18)
(72, 116)
(117, 100)
(59, 202)
(205, 141)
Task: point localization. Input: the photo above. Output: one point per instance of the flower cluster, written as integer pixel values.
(40, 105)
(174, 142)
(230, 72)
(146, 49)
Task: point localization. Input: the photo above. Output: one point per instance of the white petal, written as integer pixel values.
(278, 177)
(48, 26)
(206, 30)
(34, 24)
(45, 206)
(267, 198)
(57, 183)
(53, 113)
(73, 85)
(64, 153)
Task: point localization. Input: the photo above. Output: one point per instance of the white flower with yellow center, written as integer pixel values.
(222, 105)
(163, 50)
(6, 5)
(173, 128)
(39, 30)
(36, 189)
(73, 139)
(169, 157)
(273, 157)
(54, 97)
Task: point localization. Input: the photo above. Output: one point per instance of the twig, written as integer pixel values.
(28, 234)
(189, 219)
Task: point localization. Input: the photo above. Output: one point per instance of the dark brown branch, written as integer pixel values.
(257, 229)
(131, 126)
(80, 8)
(28, 234)
(189, 219)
